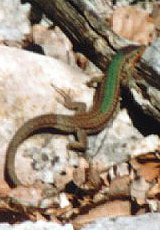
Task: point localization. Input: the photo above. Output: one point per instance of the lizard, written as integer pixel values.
(83, 122)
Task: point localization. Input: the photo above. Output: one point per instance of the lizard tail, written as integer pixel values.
(26, 130)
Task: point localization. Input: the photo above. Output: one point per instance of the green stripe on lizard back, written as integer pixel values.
(131, 55)
(110, 85)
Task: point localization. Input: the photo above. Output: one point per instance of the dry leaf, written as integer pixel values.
(110, 209)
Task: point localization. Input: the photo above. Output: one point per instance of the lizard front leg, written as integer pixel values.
(78, 107)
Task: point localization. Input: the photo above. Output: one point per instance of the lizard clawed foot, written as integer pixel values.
(81, 143)
(79, 107)
(76, 147)
(66, 97)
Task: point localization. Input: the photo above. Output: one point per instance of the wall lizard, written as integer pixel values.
(82, 123)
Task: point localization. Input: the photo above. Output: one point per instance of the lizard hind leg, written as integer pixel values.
(81, 143)
(79, 107)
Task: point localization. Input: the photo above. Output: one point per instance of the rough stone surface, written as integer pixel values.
(142, 222)
(14, 22)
